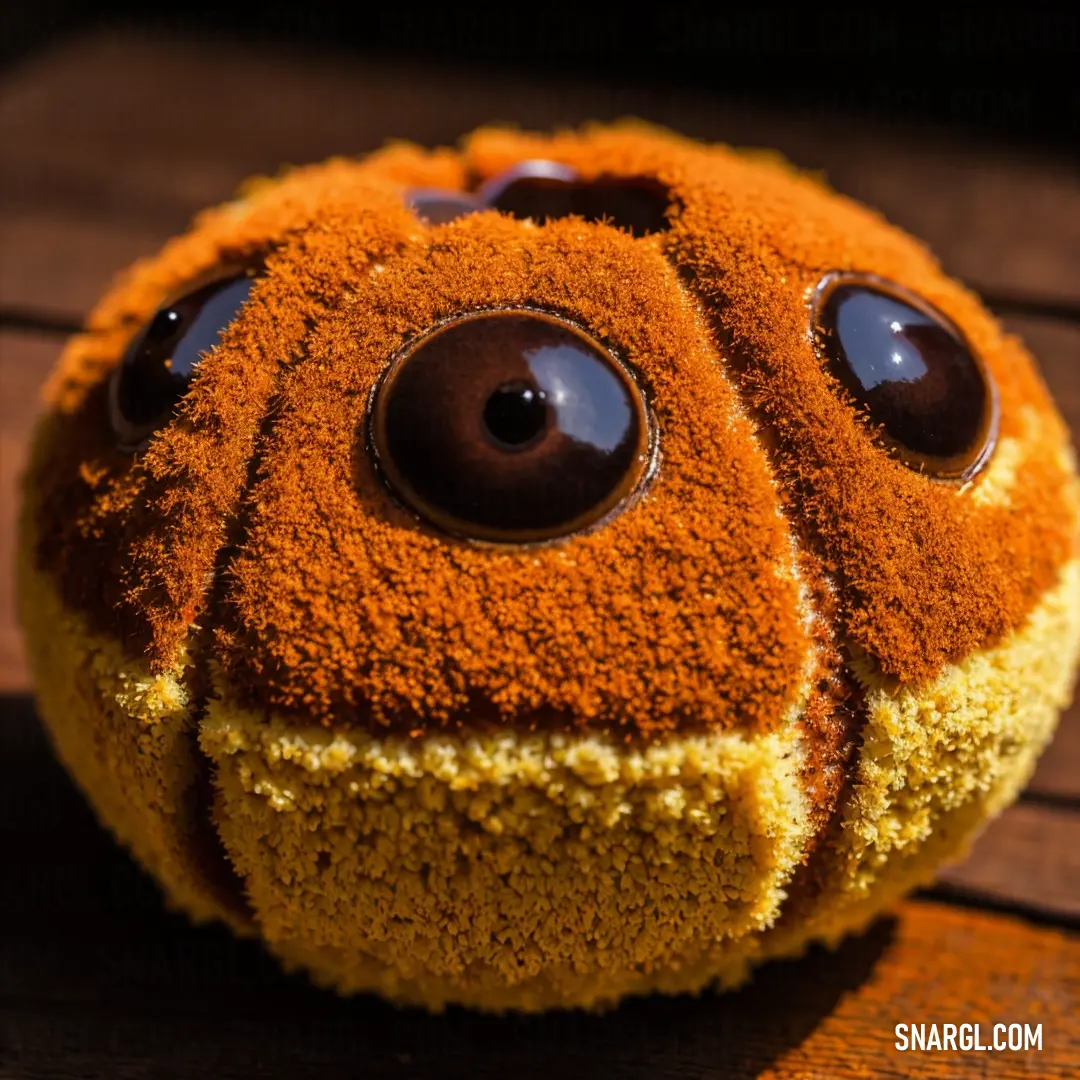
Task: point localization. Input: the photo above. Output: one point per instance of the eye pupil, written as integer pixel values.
(515, 414)
(164, 325)
(912, 373)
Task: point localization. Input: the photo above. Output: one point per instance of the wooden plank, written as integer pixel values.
(1057, 775)
(25, 360)
(95, 979)
(1056, 345)
(122, 130)
(61, 262)
(1028, 857)
(197, 1005)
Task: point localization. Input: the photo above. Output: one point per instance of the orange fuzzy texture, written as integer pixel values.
(787, 680)
(258, 514)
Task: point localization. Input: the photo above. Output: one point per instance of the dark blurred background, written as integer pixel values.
(1008, 73)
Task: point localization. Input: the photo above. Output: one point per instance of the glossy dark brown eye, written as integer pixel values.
(911, 371)
(543, 189)
(160, 363)
(510, 426)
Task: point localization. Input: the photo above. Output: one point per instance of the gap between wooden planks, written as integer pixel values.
(116, 139)
(148, 998)
(96, 979)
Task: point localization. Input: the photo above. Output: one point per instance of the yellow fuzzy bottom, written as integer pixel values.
(506, 869)
(129, 739)
(937, 762)
(530, 871)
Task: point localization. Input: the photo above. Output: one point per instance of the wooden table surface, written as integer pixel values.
(109, 144)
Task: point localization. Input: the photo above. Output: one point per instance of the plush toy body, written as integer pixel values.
(560, 569)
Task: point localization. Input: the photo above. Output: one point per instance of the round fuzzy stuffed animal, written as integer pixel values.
(558, 569)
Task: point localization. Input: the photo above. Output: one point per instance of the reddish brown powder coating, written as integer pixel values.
(343, 603)
(339, 605)
(135, 540)
(925, 575)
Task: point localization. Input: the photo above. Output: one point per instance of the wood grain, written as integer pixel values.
(62, 262)
(122, 131)
(1056, 345)
(156, 999)
(25, 360)
(1028, 857)
(95, 979)
(1057, 776)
